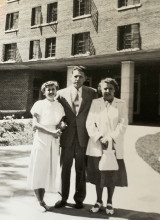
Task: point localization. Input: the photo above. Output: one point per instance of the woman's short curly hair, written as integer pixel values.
(49, 83)
(109, 80)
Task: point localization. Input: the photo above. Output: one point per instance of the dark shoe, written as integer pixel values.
(60, 204)
(78, 205)
(46, 207)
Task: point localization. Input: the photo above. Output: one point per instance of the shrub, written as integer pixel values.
(16, 132)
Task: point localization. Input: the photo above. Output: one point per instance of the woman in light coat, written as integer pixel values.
(106, 125)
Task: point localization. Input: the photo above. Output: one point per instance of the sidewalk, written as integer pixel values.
(141, 200)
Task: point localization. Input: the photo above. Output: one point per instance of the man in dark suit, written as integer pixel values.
(76, 100)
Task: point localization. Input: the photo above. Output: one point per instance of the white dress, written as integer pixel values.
(44, 160)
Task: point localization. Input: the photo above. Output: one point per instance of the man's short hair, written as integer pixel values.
(49, 83)
(80, 68)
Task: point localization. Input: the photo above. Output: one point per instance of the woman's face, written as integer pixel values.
(50, 92)
(108, 91)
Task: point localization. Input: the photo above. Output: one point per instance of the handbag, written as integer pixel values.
(108, 161)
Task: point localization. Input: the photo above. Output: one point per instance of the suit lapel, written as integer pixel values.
(84, 99)
(67, 96)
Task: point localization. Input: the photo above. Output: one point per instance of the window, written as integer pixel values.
(82, 44)
(52, 12)
(36, 16)
(81, 7)
(12, 21)
(35, 52)
(123, 3)
(129, 37)
(10, 52)
(50, 47)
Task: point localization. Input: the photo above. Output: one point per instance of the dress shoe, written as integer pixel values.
(96, 207)
(78, 205)
(60, 204)
(109, 209)
(46, 207)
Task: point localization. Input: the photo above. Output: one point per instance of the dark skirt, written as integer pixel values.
(106, 178)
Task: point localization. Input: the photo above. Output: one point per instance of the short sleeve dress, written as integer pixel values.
(44, 159)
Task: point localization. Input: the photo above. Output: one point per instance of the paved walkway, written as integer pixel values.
(141, 200)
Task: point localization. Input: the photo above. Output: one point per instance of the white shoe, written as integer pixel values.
(109, 209)
(96, 207)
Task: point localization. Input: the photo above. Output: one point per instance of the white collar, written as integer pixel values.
(73, 90)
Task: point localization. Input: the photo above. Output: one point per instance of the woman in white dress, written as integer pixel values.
(47, 114)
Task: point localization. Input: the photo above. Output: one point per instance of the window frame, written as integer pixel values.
(31, 50)
(53, 44)
(49, 12)
(128, 5)
(86, 11)
(126, 37)
(81, 43)
(10, 50)
(38, 17)
(10, 1)
(10, 24)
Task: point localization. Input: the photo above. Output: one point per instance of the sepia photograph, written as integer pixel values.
(79, 109)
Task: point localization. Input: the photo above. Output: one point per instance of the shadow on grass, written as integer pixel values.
(13, 154)
(148, 148)
(119, 213)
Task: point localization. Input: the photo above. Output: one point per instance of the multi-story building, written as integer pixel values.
(43, 40)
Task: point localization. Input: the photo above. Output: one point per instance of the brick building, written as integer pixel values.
(42, 40)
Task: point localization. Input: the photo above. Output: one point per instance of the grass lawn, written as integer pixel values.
(148, 147)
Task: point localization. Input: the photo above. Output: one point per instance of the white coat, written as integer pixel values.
(110, 121)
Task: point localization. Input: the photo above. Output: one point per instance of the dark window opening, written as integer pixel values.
(82, 44)
(81, 7)
(50, 47)
(12, 21)
(36, 16)
(129, 37)
(123, 3)
(10, 52)
(52, 12)
(35, 50)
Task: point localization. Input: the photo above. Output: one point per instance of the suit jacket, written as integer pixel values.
(107, 122)
(76, 123)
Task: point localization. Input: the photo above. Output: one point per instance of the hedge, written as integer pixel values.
(16, 132)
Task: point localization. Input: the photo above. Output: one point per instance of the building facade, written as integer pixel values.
(43, 40)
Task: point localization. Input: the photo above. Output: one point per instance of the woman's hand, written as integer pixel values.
(57, 133)
(104, 143)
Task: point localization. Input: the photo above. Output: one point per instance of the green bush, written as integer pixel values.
(16, 132)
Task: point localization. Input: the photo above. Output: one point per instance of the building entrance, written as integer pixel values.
(147, 96)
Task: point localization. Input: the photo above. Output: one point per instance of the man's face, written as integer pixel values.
(108, 91)
(78, 78)
(50, 92)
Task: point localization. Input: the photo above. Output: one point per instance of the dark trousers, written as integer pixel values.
(67, 155)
